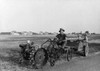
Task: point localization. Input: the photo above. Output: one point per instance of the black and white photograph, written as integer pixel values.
(49, 35)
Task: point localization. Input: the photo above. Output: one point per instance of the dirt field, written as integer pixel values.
(9, 50)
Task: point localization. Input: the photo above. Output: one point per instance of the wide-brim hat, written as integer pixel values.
(61, 29)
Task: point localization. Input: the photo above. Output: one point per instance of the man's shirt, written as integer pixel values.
(61, 36)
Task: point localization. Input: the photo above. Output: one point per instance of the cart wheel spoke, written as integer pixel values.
(69, 54)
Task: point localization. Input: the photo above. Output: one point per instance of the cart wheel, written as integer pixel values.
(86, 50)
(80, 46)
(40, 58)
(69, 54)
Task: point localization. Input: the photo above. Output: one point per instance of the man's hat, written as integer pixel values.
(61, 29)
(85, 34)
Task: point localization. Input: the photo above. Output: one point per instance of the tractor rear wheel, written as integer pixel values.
(40, 58)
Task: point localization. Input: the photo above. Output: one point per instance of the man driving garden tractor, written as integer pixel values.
(61, 38)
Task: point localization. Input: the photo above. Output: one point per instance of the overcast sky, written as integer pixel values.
(50, 15)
